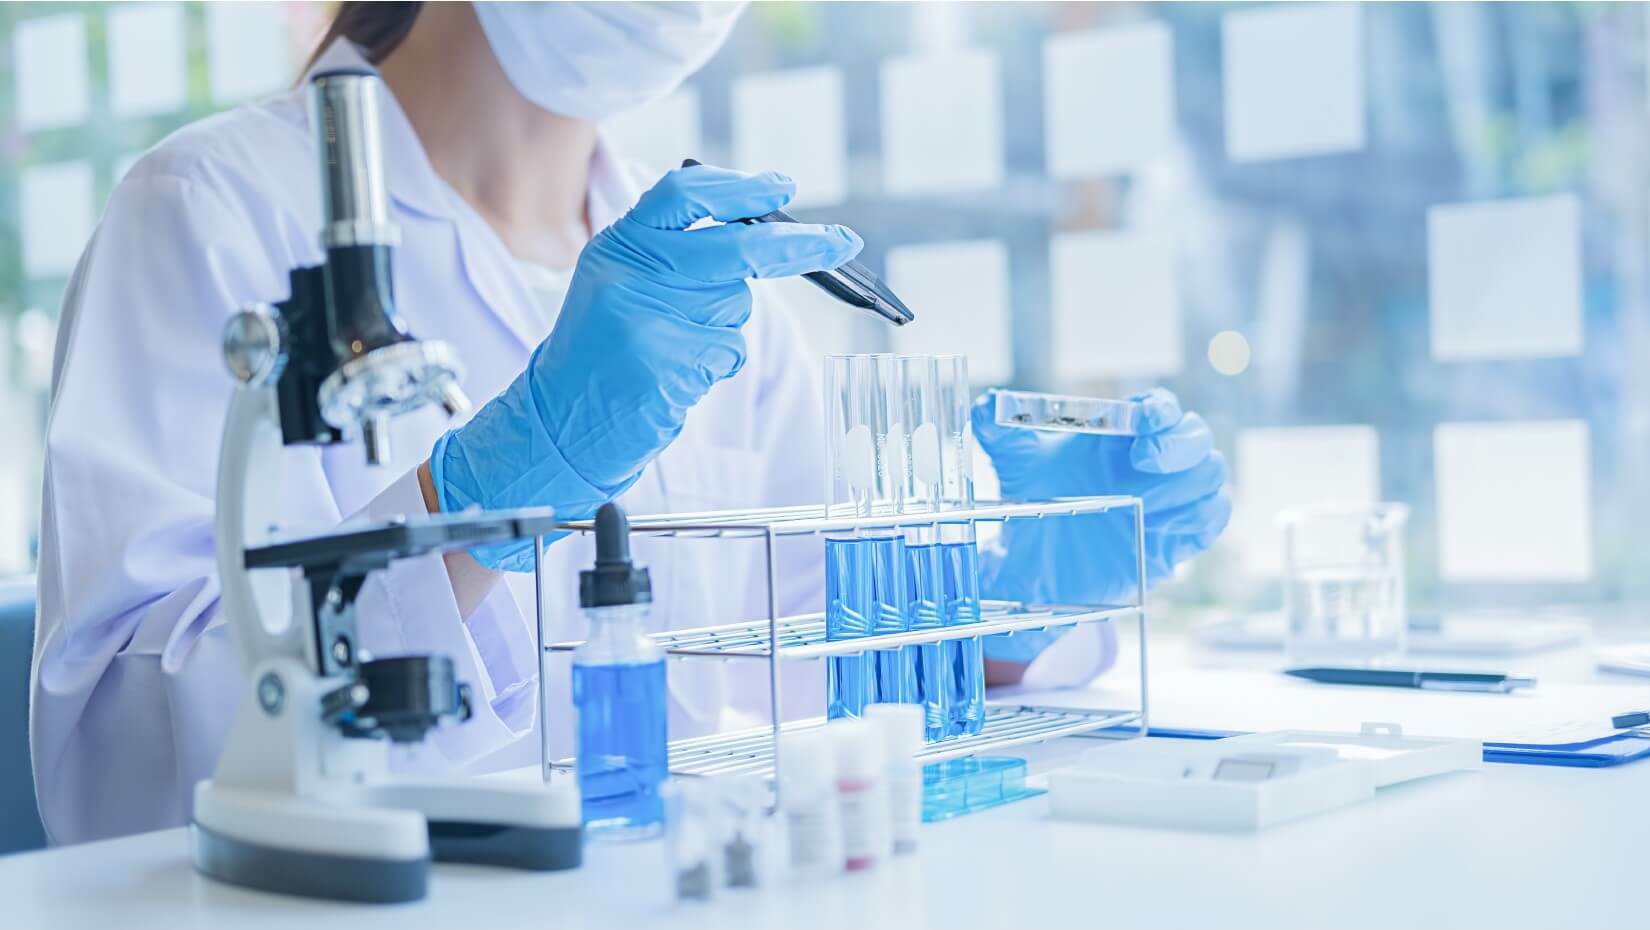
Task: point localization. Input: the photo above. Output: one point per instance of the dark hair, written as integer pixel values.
(377, 28)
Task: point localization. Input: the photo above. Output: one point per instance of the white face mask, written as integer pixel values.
(592, 60)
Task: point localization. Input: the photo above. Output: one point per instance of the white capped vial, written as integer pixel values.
(807, 797)
(861, 792)
(900, 726)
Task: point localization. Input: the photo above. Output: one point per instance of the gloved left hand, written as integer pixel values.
(650, 324)
(1170, 463)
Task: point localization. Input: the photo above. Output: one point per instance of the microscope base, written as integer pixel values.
(376, 845)
(289, 845)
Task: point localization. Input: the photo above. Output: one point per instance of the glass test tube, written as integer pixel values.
(942, 561)
(865, 568)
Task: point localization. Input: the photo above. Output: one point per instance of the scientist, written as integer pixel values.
(581, 305)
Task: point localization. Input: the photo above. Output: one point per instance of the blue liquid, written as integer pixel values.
(622, 752)
(864, 594)
(925, 605)
(963, 663)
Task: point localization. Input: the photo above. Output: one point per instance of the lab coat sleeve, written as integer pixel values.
(135, 683)
(136, 680)
(408, 609)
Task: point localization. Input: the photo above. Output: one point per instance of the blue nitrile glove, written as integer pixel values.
(651, 320)
(1170, 463)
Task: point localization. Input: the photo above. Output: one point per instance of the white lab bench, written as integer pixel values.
(1508, 847)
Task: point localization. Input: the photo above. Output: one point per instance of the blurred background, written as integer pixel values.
(1390, 251)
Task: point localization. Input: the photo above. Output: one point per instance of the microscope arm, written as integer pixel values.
(262, 608)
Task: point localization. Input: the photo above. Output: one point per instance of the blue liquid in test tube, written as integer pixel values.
(925, 610)
(864, 594)
(964, 663)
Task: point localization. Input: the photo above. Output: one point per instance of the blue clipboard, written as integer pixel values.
(1618, 748)
(1625, 746)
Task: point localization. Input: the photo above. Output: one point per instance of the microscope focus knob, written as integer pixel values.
(254, 345)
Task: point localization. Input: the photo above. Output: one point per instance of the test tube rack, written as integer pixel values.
(779, 639)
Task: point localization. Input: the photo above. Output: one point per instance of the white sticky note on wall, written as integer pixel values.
(16, 514)
(146, 59)
(960, 294)
(50, 75)
(1514, 501)
(1305, 466)
(942, 123)
(770, 131)
(248, 50)
(1294, 80)
(1116, 306)
(55, 203)
(1504, 278)
(1109, 99)
(660, 133)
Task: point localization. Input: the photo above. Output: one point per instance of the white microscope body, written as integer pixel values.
(301, 801)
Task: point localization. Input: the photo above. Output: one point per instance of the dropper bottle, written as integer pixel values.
(619, 692)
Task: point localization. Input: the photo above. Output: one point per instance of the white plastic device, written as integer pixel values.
(1248, 782)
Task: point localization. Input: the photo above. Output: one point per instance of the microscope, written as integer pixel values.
(302, 801)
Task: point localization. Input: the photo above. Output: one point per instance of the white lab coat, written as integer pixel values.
(136, 680)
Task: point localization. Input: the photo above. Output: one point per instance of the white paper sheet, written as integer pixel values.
(56, 216)
(50, 71)
(146, 59)
(1505, 278)
(1116, 306)
(960, 294)
(942, 123)
(659, 134)
(248, 50)
(1294, 80)
(1514, 501)
(1285, 467)
(793, 122)
(1189, 697)
(1108, 99)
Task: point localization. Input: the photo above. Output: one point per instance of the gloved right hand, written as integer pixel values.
(651, 321)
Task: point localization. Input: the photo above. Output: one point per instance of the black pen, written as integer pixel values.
(852, 283)
(1430, 681)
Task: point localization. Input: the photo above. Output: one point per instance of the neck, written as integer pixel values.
(524, 169)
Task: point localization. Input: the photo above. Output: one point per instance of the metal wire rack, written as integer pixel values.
(777, 639)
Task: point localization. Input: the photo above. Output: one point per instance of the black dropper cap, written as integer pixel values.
(615, 580)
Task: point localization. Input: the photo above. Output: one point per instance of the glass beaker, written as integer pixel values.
(1343, 583)
(942, 561)
(864, 568)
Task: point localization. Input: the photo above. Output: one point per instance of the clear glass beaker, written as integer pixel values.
(864, 569)
(1343, 583)
(942, 561)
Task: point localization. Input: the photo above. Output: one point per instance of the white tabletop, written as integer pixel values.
(1511, 846)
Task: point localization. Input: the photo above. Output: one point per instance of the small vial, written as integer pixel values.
(807, 794)
(901, 728)
(861, 793)
(746, 830)
(693, 837)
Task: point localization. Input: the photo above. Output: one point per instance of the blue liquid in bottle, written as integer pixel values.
(864, 594)
(619, 691)
(963, 660)
(925, 609)
(621, 745)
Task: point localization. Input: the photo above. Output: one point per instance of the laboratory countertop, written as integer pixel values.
(1509, 846)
